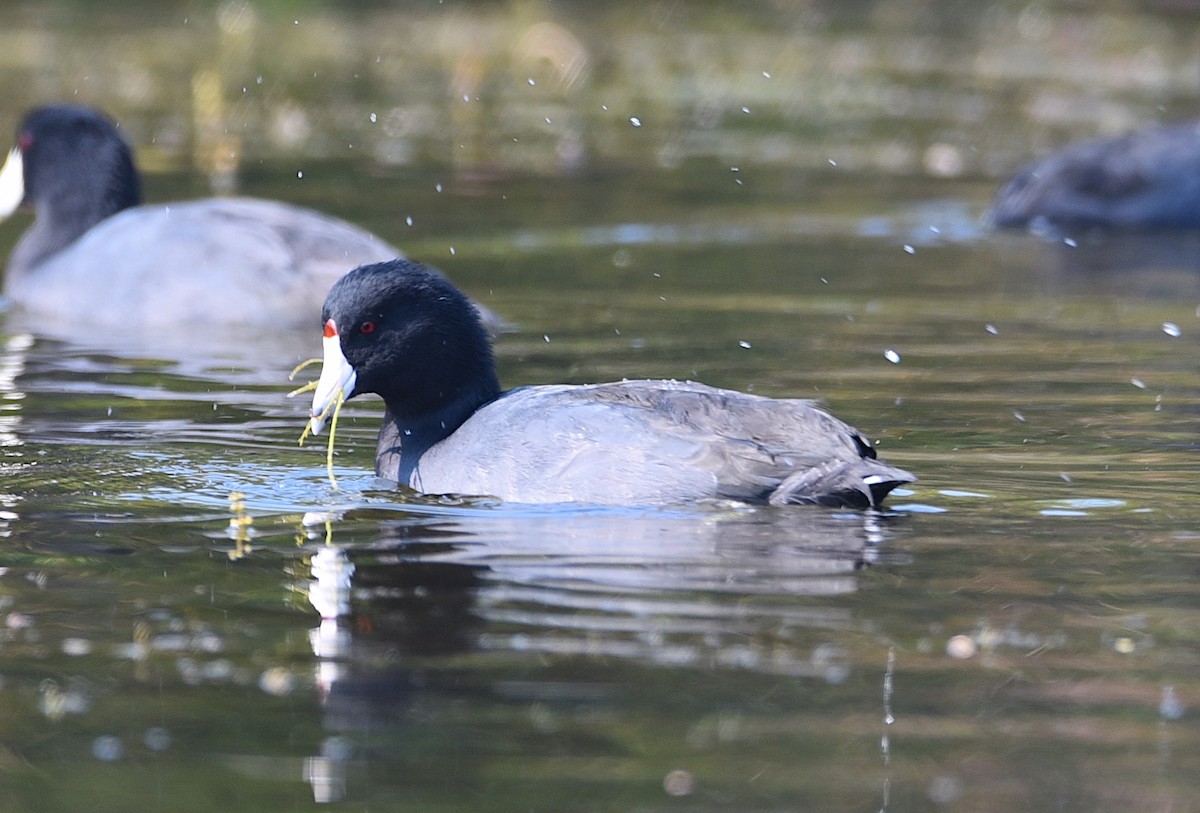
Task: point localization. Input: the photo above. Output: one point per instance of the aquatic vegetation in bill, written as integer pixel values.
(334, 406)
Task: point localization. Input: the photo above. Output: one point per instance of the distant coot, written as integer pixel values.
(1149, 179)
(402, 331)
(95, 256)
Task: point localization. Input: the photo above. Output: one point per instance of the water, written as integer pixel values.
(1016, 632)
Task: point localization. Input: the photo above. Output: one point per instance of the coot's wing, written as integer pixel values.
(651, 442)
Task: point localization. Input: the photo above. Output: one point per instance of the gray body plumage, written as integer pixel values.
(197, 262)
(646, 442)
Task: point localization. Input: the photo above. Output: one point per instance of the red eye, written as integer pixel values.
(366, 327)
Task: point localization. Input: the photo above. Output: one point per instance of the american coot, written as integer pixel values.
(401, 331)
(96, 257)
(1149, 179)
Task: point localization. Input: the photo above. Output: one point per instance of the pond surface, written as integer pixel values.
(1020, 630)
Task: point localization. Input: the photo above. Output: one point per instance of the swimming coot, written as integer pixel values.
(402, 331)
(95, 256)
(1149, 179)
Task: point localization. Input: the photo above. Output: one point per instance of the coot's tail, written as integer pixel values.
(856, 484)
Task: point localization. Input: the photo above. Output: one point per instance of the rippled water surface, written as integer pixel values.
(1018, 631)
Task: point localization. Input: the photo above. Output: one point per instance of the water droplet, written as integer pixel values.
(892, 356)
(960, 647)
(744, 345)
(746, 110)
(438, 187)
(992, 329)
(832, 163)
(1170, 706)
(766, 75)
(1171, 329)
(408, 220)
(679, 783)
(635, 121)
(1137, 382)
(452, 252)
(546, 336)
(909, 249)
(76, 646)
(945, 790)
(107, 748)
(531, 81)
(277, 680)
(374, 118)
(300, 174)
(1070, 242)
(157, 738)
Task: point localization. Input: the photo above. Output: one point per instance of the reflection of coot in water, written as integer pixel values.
(503, 611)
(433, 587)
(1132, 264)
(1149, 179)
(405, 333)
(416, 604)
(382, 606)
(1142, 265)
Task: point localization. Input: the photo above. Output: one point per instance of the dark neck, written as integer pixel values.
(73, 199)
(403, 440)
(45, 238)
